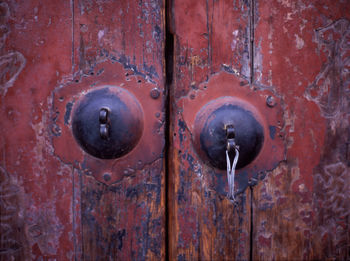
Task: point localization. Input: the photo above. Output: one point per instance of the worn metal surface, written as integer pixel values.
(107, 122)
(148, 111)
(248, 133)
(54, 202)
(215, 93)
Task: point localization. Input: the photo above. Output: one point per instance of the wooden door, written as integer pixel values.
(286, 61)
(296, 52)
(57, 202)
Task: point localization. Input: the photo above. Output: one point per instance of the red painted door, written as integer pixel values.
(174, 64)
(58, 202)
(290, 60)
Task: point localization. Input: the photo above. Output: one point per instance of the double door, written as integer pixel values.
(175, 71)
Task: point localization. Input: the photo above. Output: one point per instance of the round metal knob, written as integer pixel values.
(211, 133)
(107, 122)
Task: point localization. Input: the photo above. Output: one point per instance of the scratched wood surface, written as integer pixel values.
(209, 37)
(51, 209)
(124, 220)
(302, 51)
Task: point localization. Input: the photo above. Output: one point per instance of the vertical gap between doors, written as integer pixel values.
(168, 56)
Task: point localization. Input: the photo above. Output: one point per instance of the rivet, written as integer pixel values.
(107, 177)
(155, 93)
(270, 101)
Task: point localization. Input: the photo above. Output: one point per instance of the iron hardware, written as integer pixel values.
(104, 128)
(107, 122)
(228, 127)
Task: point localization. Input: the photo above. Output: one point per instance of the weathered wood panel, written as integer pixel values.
(209, 37)
(301, 51)
(301, 54)
(118, 42)
(36, 199)
(53, 201)
(54, 206)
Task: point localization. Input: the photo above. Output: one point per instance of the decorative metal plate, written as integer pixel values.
(147, 148)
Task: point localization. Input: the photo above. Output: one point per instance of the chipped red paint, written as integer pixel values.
(119, 219)
(54, 201)
(41, 185)
(300, 51)
(213, 46)
(56, 210)
(121, 43)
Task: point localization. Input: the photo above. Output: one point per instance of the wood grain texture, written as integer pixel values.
(53, 207)
(209, 37)
(57, 207)
(301, 209)
(124, 220)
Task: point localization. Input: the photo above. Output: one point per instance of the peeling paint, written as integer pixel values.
(11, 66)
(330, 84)
(299, 42)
